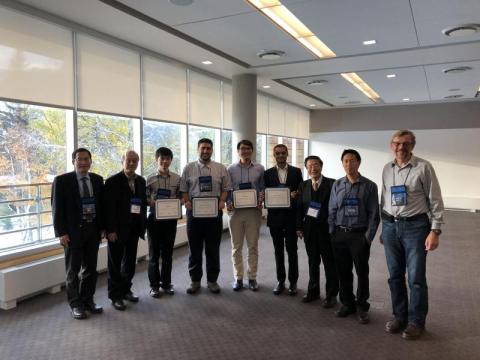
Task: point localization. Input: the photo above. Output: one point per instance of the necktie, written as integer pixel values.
(85, 189)
(315, 186)
(131, 183)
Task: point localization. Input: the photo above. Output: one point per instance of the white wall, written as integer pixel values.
(454, 153)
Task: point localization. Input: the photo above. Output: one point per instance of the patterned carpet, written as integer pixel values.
(250, 325)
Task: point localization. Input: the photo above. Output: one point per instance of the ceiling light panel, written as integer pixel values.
(362, 86)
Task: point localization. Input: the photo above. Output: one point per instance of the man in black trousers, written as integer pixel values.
(312, 225)
(282, 222)
(77, 221)
(125, 221)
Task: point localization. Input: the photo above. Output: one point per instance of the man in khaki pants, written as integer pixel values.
(245, 216)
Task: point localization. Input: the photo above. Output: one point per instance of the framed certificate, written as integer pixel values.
(166, 209)
(246, 198)
(277, 197)
(205, 207)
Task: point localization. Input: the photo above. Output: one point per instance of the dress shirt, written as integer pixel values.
(170, 181)
(253, 173)
(282, 174)
(80, 186)
(368, 210)
(423, 190)
(189, 182)
(316, 184)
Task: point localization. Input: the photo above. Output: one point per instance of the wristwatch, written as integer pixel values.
(437, 231)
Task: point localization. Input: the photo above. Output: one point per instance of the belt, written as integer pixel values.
(391, 218)
(352, 229)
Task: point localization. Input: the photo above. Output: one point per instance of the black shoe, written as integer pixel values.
(253, 285)
(237, 285)
(344, 311)
(279, 288)
(119, 304)
(363, 317)
(130, 296)
(310, 297)
(93, 308)
(213, 287)
(292, 289)
(329, 302)
(155, 293)
(78, 313)
(168, 289)
(194, 287)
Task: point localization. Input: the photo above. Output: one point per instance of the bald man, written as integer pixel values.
(125, 204)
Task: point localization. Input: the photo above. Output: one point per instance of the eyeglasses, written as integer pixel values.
(405, 144)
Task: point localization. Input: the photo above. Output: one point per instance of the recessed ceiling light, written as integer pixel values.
(456, 70)
(316, 82)
(369, 42)
(390, 76)
(454, 89)
(456, 96)
(181, 2)
(266, 86)
(461, 30)
(343, 97)
(270, 54)
(312, 105)
(406, 99)
(207, 62)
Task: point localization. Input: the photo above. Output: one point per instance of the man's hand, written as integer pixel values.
(300, 234)
(188, 205)
(64, 240)
(221, 204)
(381, 240)
(293, 194)
(431, 243)
(112, 237)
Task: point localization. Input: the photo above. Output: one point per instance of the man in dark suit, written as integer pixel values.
(282, 221)
(312, 225)
(125, 221)
(77, 221)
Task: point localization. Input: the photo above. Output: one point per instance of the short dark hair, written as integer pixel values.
(353, 152)
(163, 151)
(313, 157)
(280, 145)
(204, 140)
(246, 143)
(79, 150)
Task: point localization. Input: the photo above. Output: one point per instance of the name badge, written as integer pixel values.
(314, 209)
(351, 206)
(163, 194)
(135, 205)
(205, 183)
(88, 207)
(399, 195)
(243, 186)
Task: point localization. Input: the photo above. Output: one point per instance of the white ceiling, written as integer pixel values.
(410, 44)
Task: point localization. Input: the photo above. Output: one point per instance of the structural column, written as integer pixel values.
(244, 111)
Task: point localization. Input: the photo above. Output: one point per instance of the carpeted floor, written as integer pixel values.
(260, 325)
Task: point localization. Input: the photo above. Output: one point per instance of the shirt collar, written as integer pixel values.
(160, 175)
(80, 177)
(360, 179)
(413, 161)
(250, 165)
(279, 168)
(204, 164)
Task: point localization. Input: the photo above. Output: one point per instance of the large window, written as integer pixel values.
(226, 147)
(157, 134)
(107, 137)
(32, 151)
(196, 133)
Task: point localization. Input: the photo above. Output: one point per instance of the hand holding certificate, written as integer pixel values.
(277, 197)
(206, 207)
(246, 198)
(166, 209)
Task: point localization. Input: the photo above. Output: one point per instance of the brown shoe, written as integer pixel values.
(413, 332)
(394, 326)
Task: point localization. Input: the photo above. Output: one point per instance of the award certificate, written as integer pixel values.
(246, 198)
(277, 197)
(206, 207)
(166, 209)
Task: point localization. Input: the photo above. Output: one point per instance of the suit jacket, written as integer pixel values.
(305, 223)
(282, 217)
(117, 205)
(67, 206)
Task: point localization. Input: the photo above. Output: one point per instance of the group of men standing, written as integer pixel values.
(337, 219)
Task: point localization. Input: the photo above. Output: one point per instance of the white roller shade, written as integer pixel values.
(205, 101)
(304, 124)
(227, 106)
(108, 78)
(36, 60)
(291, 121)
(276, 117)
(165, 91)
(262, 114)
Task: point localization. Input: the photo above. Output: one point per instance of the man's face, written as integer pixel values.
(130, 162)
(205, 151)
(281, 154)
(82, 162)
(402, 147)
(163, 162)
(314, 168)
(245, 152)
(350, 164)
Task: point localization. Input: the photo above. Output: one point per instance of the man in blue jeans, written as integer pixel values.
(412, 215)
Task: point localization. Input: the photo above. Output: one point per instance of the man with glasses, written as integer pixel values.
(282, 222)
(412, 216)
